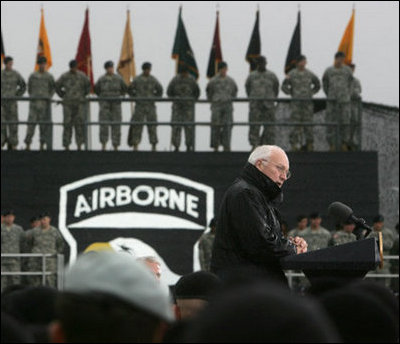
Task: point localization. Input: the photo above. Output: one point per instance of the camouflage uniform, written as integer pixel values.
(44, 241)
(220, 91)
(337, 85)
(40, 85)
(295, 232)
(205, 249)
(183, 111)
(301, 84)
(341, 237)
(144, 86)
(110, 85)
(263, 84)
(316, 239)
(12, 239)
(12, 85)
(72, 87)
(355, 119)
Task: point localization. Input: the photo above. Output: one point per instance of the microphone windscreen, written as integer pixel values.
(340, 211)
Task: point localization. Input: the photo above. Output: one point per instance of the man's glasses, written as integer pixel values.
(280, 168)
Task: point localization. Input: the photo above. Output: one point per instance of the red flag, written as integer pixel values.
(84, 54)
(215, 53)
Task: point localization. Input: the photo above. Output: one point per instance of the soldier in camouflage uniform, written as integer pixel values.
(262, 83)
(302, 222)
(12, 239)
(303, 84)
(44, 239)
(206, 242)
(337, 81)
(72, 87)
(12, 85)
(144, 85)
(388, 238)
(344, 235)
(316, 236)
(110, 85)
(183, 85)
(220, 91)
(355, 119)
(40, 84)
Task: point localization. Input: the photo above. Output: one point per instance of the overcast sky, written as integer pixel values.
(376, 50)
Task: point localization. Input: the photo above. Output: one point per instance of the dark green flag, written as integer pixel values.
(182, 52)
(294, 48)
(254, 49)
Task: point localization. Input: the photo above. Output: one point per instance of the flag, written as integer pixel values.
(216, 52)
(182, 52)
(294, 47)
(346, 44)
(43, 48)
(84, 53)
(126, 64)
(254, 49)
(2, 49)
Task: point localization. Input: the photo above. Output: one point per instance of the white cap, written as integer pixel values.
(122, 276)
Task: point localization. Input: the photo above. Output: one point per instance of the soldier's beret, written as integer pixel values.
(378, 218)
(301, 58)
(146, 65)
(213, 223)
(44, 214)
(34, 218)
(108, 64)
(340, 54)
(8, 59)
(315, 215)
(41, 60)
(73, 63)
(222, 64)
(8, 212)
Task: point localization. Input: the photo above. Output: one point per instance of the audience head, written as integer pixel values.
(9, 217)
(222, 68)
(146, 68)
(8, 62)
(42, 63)
(109, 67)
(315, 220)
(73, 65)
(302, 221)
(378, 222)
(301, 61)
(339, 58)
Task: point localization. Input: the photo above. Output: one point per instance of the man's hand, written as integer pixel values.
(301, 244)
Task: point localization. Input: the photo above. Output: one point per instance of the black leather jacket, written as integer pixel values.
(248, 229)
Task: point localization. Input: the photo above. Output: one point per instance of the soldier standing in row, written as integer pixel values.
(220, 91)
(183, 86)
(302, 222)
(344, 235)
(206, 242)
(315, 235)
(146, 86)
(12, 239)
(303, 84)
(44, 239)
(110, 85)
(355, 119)
(72, 87)
(337, 81)
(40, 84)
(12, 85)
(262, 83)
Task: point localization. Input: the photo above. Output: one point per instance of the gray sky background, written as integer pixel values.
(376, 49)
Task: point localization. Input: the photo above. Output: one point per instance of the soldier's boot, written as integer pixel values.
(103, 147)
(67, 148)
(189, 149)
(294, 148)
(115, 147)
(176, 149)
(310, 147)
(28, 147)
(79, 147)
(332, 148)
(42, 146)
(344, 148)
(153, 147)
(216, 149)
(227, 149)
(135, 147)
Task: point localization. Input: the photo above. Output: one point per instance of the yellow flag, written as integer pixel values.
(346, 44)
(126, 65)
(43, 48)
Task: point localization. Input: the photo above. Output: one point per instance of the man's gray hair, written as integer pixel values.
(263, 152)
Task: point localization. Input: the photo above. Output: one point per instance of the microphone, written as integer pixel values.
(344, 213)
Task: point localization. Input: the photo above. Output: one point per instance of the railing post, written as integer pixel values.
(43, 269)
(60, 271)
(50, 126)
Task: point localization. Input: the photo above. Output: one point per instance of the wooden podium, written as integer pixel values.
(348, 261)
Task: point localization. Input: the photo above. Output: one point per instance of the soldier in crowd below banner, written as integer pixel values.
(302, 222)
(146, 86)
(221, 89)
(205, 246)
(113, 86)
(72, 87)
(337, 81)
(44, 239)
(12, 240)
(388, 238)
(40, 84)
(315, 235)
(355, 119)
(12, 85)
(344, 235)
(185, 86)
(301, 83)
(262, 83)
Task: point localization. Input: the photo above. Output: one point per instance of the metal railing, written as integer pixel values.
(43, 273)
(88, 123)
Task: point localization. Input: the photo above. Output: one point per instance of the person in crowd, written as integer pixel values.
(344, 235)
(12, 241)
(110, 297)
(40, 84)
(12, 85)
(72, 87)
(144, 85)
(302, 221)
(206, 242)
(315, 235)
(221, 90)
(183, 86)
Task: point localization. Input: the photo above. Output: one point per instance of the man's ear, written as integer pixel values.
(56, 333)
(177, 312)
